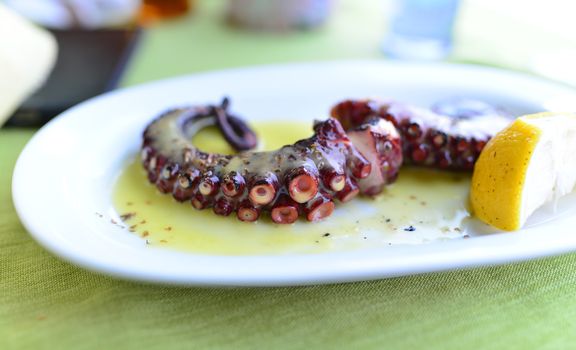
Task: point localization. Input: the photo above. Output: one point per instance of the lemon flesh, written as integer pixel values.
(528, 164)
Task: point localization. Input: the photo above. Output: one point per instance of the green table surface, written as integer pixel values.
(46, 303)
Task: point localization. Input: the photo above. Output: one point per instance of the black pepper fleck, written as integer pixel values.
(127, 216)
(410, 228)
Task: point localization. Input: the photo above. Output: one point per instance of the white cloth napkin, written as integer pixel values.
(27, 55)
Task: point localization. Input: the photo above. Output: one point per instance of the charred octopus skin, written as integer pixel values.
(428, 138)
(302, 179)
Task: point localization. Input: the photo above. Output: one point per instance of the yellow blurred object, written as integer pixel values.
(153, 10)
(27, 55)
(530, 163)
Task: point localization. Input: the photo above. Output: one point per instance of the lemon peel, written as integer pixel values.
(528, 164)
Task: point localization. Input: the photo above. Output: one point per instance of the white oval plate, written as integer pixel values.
(66, 172)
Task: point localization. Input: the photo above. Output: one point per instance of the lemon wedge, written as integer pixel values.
(528, 164)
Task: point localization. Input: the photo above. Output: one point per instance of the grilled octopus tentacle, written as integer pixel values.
(302, 179)
(443, 141)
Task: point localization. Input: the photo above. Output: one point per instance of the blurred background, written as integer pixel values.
(103, 44)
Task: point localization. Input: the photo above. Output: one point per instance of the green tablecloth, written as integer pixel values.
(48, 303)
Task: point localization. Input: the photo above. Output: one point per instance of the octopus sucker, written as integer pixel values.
(299, 180)
(286, 210)
(223, 207)
(349, 191)
(302, 183)
(263, 189)
(450, 136)
(247, 212)
(319, 208)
